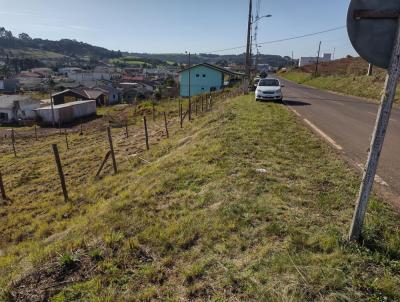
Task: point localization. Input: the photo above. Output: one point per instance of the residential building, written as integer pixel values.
(8, 85)
(204, 78)
(17, 107)
(327, 57)
(80, 94)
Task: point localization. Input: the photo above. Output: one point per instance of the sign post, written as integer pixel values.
(359, 21)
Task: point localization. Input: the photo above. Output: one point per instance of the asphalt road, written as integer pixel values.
(347, 124)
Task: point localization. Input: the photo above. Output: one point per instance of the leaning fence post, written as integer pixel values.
(2, 190)
(60, 172)
(166, 125)
(13, 142)
(146, 134)
(112, 150)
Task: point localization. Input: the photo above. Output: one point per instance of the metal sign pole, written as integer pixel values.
(377, 140)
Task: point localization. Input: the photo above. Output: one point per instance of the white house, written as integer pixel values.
(327, 57)
(17, 107)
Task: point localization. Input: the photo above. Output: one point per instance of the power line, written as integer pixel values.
(283, 40)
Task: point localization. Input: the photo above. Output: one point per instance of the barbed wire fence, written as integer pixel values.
(132, 141)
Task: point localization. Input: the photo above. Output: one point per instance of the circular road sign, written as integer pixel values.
(372, 27)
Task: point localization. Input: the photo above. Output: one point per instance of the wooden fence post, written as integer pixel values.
(2, 190)
(112, 150)
(202, 103)
(81, 133)
(13, 142)
(166, 125)
(60, 172)
(36, 137)
(181, 116)
(196, 105)
(126, 130)
(66, 138)
(146, 134)
(190, 109)
(154, 111)
(59, 127)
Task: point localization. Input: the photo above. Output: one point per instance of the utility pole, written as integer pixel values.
(51, 85)
(316, 65)
(247, 77)
(190, 90)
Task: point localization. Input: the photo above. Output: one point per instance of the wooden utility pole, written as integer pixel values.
(316, 65)
(112, 150)
(190, 89)
(247, 77)
(60, 172)
(146, 133)
(370, 69)
(381, 125)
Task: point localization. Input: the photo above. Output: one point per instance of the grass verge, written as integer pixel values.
(243, 204)
(356, 85)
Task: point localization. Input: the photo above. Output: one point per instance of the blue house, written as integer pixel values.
(204, 78)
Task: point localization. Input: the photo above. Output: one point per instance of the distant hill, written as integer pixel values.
(273, 60)
(22, 52)
(66, 47)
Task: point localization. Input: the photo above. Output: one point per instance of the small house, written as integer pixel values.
(80, 94)
(203, 78)
(66, 113)
(14, 108)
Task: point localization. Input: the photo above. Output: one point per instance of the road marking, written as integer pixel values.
(323, 134)
(378, 179)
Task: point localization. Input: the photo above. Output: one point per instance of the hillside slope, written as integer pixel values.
(346, 76)
(243, 203)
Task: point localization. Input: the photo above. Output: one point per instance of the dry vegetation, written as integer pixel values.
(194, 218)
(346, 76)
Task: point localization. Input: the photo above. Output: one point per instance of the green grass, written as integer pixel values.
(361, 86)
(128, 61)
(199, 222)
(33, 53)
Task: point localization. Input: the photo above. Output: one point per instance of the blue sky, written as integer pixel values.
(170, 26)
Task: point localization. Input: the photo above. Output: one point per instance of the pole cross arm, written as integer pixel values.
(376, 14)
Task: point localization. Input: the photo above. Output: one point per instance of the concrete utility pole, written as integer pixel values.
(316, 65)
(247, 77)
(377, 140)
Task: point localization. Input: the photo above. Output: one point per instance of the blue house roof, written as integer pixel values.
(223, 70)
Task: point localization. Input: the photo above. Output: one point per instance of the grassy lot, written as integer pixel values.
(128, 61)
(347, 76)
(197, 220)
(362, 86)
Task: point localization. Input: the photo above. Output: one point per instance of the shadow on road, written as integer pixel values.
(296, 103)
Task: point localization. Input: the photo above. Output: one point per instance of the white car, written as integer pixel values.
(269, 90)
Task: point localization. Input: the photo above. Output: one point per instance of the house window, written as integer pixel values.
(204, 75)
(197, 75)
(3, 116)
